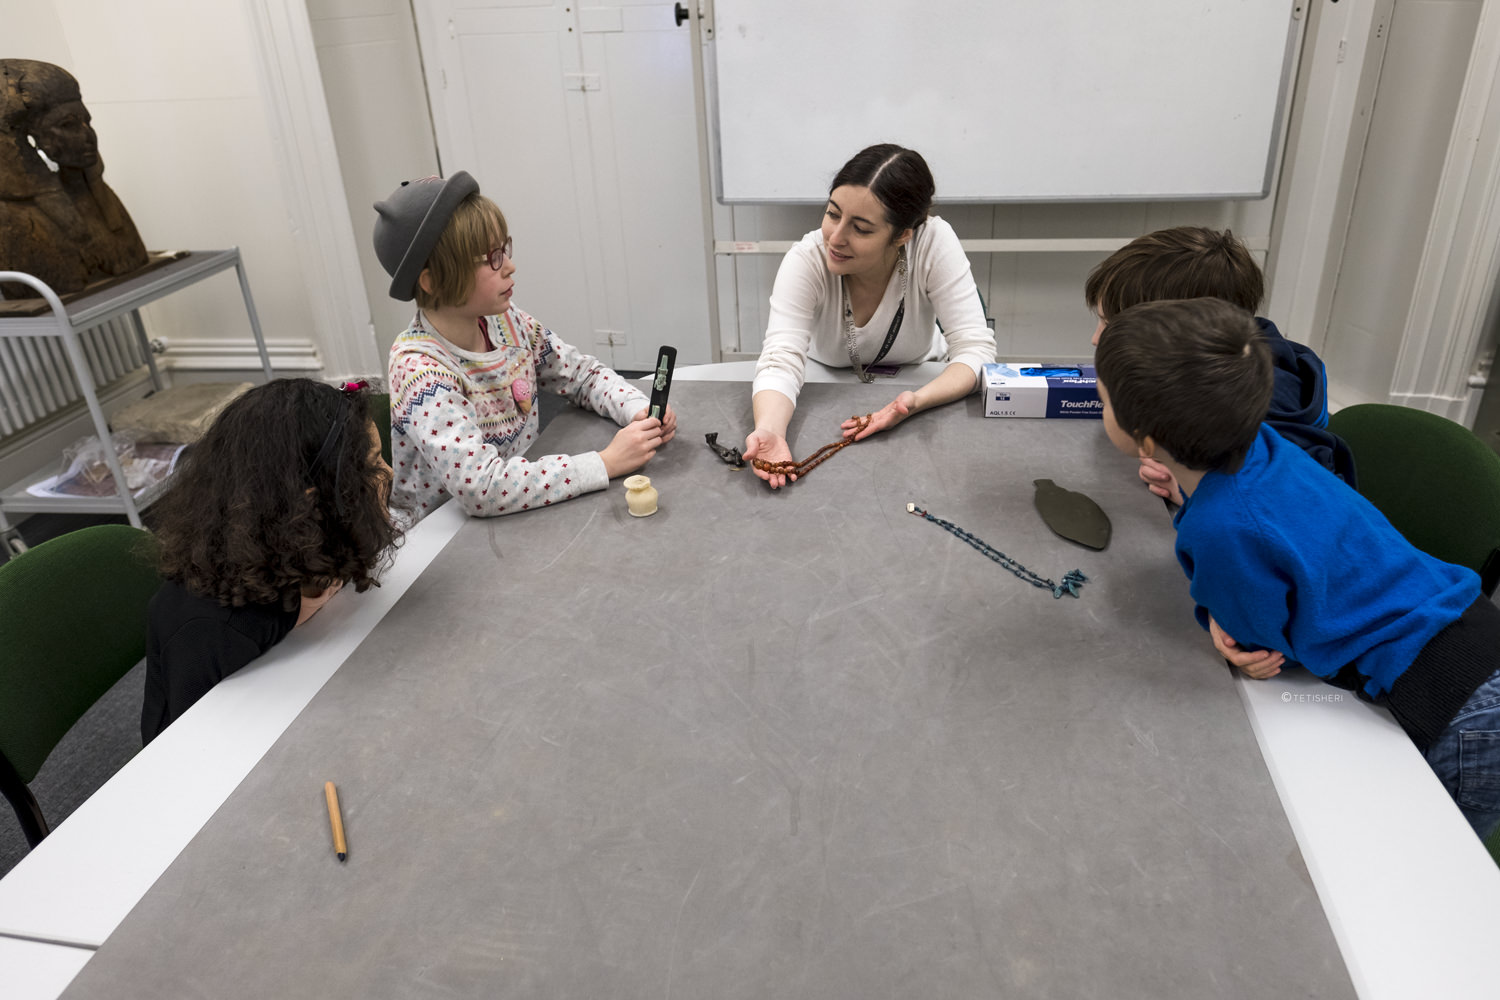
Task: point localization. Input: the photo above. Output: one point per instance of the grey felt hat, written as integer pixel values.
(409, 223)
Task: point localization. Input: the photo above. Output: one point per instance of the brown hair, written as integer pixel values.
(281, 493)
(1185, 262)
(1194, 375)
(477, 226)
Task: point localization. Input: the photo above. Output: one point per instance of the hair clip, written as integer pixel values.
(354, 386)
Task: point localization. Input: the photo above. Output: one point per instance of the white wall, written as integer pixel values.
(183, 130)
(578, 122)
(1036, 299)
(602, 188)
(1415, 102)
(368, 59)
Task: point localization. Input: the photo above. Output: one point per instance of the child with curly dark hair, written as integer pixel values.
(281, 503)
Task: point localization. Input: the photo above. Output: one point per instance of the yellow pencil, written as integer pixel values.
(336, 820)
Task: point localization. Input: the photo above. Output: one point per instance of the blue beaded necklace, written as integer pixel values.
(1071, 580)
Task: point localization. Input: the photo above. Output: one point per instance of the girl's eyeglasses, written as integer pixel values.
(496, 257)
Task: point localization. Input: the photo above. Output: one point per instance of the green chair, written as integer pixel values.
(72, 623)
(380, 412)
(1432, 478)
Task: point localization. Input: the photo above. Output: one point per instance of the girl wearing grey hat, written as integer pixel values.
(465, 374)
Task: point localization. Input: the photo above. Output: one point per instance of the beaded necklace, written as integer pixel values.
(1071, 580)
(890, 336)
(823, 454)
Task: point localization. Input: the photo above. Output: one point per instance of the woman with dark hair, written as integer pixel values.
(281, 503)
(880, 282)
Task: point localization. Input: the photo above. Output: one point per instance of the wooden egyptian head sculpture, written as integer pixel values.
(58, 221)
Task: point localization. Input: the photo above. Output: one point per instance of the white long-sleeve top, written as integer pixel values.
(807, 313)
(461, 421)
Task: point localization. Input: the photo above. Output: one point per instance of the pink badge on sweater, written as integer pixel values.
(520, 390)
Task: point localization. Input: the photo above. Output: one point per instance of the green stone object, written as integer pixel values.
(1072, 515)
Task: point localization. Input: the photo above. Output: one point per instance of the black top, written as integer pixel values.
(1445, 675)
(194, 642)
(1299, 403)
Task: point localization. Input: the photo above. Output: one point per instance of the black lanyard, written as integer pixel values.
(890, 337)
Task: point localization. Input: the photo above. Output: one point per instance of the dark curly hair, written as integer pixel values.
(281, 493)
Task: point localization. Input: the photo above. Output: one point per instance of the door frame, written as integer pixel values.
(317, 205)
(1448, 344)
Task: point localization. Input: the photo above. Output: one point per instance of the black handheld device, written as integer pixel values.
(661, 382)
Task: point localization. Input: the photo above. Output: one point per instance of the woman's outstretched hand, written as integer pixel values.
(883, 419)
(768, 447)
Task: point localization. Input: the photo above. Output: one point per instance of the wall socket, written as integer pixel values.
(611, 338)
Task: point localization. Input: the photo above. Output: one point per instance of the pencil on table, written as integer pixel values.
(336, 820)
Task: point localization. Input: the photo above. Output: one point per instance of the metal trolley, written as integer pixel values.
(66, 322)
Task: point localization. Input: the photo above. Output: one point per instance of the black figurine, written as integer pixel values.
(730, 455)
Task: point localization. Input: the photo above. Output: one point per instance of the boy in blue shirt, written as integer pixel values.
(1187, 262)
(1283, 556)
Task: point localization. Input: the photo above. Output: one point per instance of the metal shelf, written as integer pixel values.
(65, 322)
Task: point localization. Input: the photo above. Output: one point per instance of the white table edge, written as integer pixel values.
(36, 969)
(1407, 887)
(80, 882)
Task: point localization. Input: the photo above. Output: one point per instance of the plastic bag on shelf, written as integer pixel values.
(85, 473)
(86, 456)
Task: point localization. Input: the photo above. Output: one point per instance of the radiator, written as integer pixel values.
(36, 380)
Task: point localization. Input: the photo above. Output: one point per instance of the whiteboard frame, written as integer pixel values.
(705, 21)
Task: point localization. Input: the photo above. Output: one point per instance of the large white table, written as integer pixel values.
(1382, 853)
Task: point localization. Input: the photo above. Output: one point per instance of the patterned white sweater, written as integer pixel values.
(461, 421)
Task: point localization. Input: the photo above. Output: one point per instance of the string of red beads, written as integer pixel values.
(823, 454)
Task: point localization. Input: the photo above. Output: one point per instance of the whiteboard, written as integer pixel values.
(1008, 100)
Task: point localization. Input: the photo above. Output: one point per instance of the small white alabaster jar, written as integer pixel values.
(640, 496)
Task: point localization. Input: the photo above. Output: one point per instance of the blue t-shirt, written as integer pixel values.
(1287, 557)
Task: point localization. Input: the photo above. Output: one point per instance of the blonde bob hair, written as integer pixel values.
(477, 227)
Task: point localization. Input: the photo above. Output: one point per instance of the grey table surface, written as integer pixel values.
(764, 744)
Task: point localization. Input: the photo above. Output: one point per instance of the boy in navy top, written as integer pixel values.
(1186, 262)
(1283, 556)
